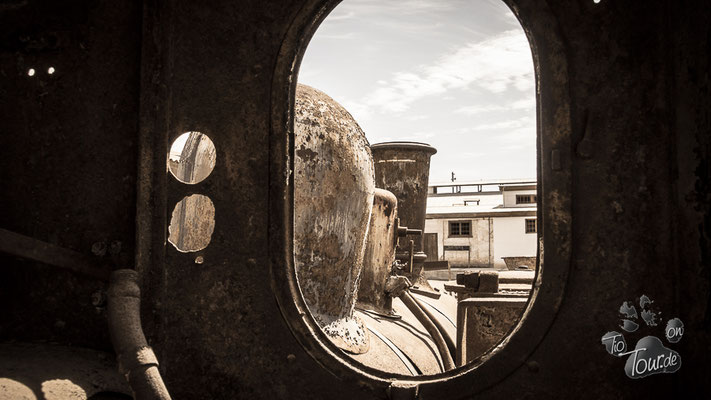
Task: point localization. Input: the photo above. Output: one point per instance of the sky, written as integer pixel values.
(456, 74)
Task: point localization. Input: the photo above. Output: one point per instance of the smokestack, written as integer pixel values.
(403, 168)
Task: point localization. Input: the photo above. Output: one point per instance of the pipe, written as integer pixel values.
(445, 335)
(431, 328)
(136, 359)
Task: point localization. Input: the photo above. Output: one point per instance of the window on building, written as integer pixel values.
(456, 248)
(460, 228)
(526, 199)
(531, 226)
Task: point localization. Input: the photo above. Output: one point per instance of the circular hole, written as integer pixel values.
(192, 157)
(50, 70)
(596, 1)
(192, 223)
(31, 72)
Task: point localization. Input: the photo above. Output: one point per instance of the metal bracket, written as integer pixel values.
(403, 391)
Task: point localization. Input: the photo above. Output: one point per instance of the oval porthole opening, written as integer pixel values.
(447, 293)
(511, 351)
(192, 157)
(192, 224)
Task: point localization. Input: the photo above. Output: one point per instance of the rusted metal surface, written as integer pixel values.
(481, 281)
(406, 336)
(625, 83)
(68, 164)
(441, 330)
(36, 250)
(483, 322)
(379, 254)
(431, 329)
(333, 199)
(519, 263)
(403, 168)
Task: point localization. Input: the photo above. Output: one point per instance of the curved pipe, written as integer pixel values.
(445, 335)
(136, 359)
(431, 328)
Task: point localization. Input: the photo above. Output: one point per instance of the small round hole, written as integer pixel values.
(50, 70)
(192, 223)
(596, 1)
(31, 72)
(192, 157)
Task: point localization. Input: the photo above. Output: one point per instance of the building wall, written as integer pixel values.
(510, 197)
(480, 242)
(512, 239)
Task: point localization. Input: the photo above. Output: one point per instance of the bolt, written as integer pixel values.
(115, 247)
(99, 249)
(533, 366)
(98, 298)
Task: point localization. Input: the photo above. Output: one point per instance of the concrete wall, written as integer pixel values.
(510, 198)
(511, 239)
(479, 242)
(507, 239)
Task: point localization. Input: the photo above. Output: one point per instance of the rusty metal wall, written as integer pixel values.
(379, 253)
(68, 157)
(638, 86)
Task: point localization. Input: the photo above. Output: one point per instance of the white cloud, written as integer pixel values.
(406, 7)
(338, 36)
(495, 65)
(359, 111)
(528, 103)
(513, 125)
(340, 16)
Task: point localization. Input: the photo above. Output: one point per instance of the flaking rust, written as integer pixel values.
(332, 159)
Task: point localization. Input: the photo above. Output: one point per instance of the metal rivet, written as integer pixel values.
(98, 298)
(99, 249)
(533, 366)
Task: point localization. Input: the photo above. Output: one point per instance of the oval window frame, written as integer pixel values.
(553, 138)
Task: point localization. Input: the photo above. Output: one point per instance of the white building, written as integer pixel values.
(477, 224)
